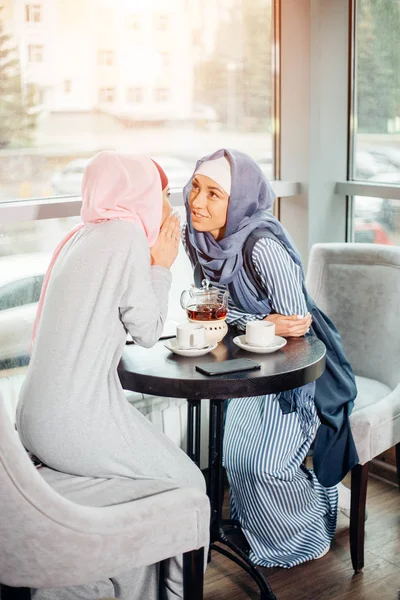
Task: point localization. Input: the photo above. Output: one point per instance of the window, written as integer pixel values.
(35, 53)
(161, 95)
(165, 59)
(376, 220)
(224, 82)
(377, 90)
(25, 253)
(161, 22)
(106, 95)
(376, 118)
(134, 95)
(106, 58)
(134, 22)
(33, 13)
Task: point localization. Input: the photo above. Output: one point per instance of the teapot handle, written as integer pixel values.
(185, 299)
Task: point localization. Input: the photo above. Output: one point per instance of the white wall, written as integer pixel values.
(314, 110)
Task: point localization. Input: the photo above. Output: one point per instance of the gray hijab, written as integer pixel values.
(251, 197)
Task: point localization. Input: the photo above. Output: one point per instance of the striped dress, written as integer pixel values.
(287, 516)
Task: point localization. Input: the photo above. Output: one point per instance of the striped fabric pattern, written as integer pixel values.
(281, 278)
(287, 516)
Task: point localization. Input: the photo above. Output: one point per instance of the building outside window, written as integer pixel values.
(106, 58)
(33, 13)
(133, 22)
(220, 93)
(35, 53)
(134, 95)
(161, 95)
(165, 60)
(106, 95)
(161, 22)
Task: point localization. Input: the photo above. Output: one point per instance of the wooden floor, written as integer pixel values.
(331, 576)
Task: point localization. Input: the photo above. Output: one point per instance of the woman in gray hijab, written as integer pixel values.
(287, 512)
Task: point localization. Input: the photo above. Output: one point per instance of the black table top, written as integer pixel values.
(159, 372)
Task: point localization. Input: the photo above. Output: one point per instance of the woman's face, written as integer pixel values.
(208, 204)
(166, 204)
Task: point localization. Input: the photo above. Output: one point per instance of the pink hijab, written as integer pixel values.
(115, 186)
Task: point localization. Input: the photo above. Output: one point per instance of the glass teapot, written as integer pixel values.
(206, 303)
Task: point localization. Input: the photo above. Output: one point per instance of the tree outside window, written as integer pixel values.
(35, 93)
(17, 106)
(377, 74)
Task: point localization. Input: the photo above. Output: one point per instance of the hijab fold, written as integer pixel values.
(250, 200)
(123, 187)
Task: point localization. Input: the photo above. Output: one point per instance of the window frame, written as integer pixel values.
(161, 22)
(35, 51)
(132, 96)
(32, 11)
(105, 58)
(107, 95)
(162, 95)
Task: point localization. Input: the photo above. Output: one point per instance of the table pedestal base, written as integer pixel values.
(239, 555)
(223, 531)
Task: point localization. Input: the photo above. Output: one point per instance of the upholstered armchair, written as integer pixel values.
(358, 286)
(58, 530)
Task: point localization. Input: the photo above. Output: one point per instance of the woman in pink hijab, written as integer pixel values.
(108, 277)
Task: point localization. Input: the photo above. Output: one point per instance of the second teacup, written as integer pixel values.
(190, 335)
(260, 333)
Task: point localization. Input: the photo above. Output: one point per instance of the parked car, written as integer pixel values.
(68, 180)
(386, 154)
(368, 165)
(389, 213)
(370, 232)
(21, 278)
(368, 208)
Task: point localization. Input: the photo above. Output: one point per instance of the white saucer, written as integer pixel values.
(172, 346)
(279, 342)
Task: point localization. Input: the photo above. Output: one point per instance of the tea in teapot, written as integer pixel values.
(206, 303)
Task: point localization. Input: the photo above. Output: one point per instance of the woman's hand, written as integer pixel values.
(165, 250)
(292, 326)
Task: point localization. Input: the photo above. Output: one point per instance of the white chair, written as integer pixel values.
(358, 286)
(58, 530)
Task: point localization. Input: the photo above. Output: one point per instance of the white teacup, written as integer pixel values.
(190, 335)
(260, 333)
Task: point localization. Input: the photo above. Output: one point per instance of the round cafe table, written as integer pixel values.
(159, 372)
